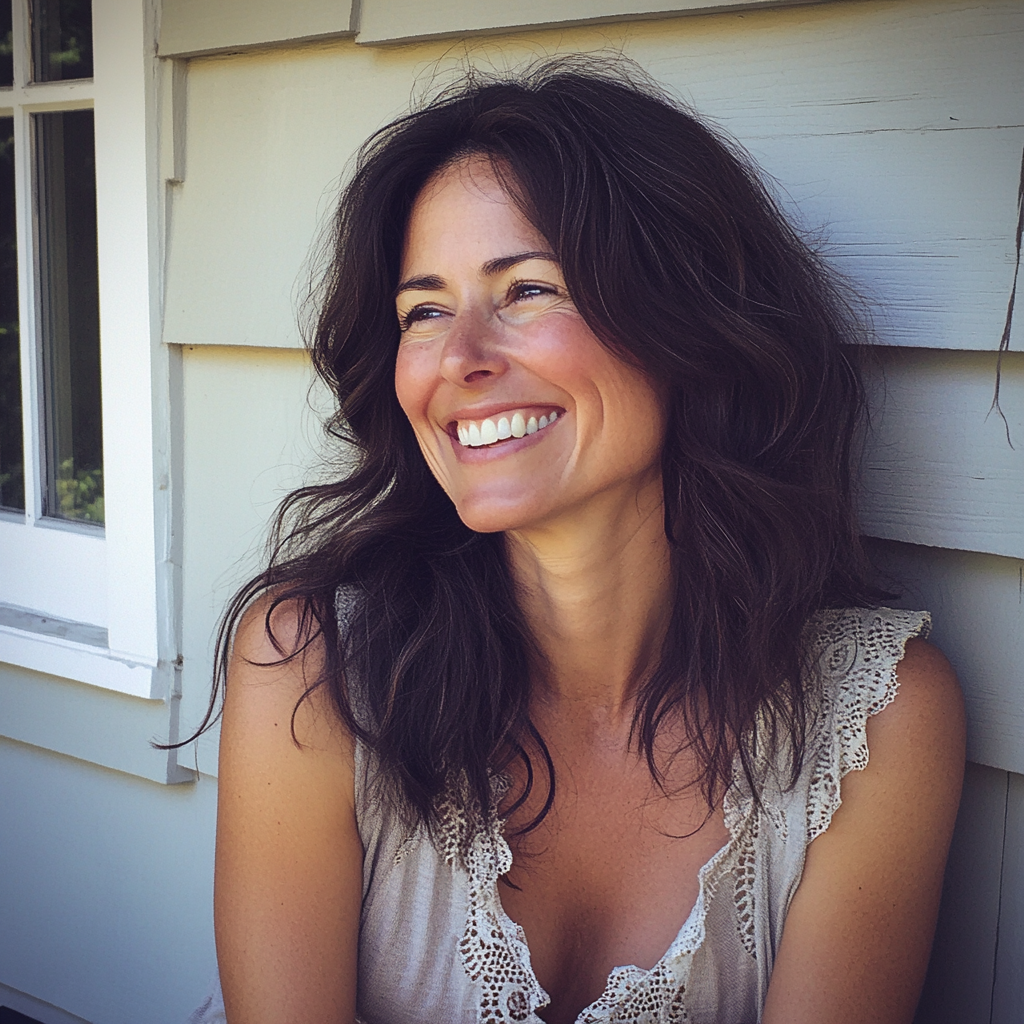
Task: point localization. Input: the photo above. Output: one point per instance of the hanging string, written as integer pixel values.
(1004, 341)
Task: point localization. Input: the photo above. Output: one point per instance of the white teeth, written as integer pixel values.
(478, 434)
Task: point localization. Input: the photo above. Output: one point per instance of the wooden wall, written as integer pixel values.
(893, 129)
(977, 970)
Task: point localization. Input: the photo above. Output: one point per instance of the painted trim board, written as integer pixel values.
(79, 720)
(190, 28)
(386, 22)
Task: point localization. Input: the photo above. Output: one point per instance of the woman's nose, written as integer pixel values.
(471, 352)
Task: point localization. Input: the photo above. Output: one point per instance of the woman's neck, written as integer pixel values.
(596, 589)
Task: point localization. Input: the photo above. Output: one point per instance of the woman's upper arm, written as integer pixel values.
(288, 882)
(857, 937)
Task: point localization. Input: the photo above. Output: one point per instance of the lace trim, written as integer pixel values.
(637, 996)
(495, 953)
(493, 948)
(856, 652)
(744, 875)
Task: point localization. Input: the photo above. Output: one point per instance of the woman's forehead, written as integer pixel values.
(463, 216)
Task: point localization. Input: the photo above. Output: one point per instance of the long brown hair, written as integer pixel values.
(679, 260)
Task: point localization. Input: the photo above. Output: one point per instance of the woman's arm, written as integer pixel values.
(858, 934)
(288, 882)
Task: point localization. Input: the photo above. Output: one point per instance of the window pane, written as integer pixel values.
(61, 39)
(12, 456)
(6, 45)
(69, 314)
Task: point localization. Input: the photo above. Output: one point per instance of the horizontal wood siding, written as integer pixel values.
(250, 436)
(977, 607)
(399, 21)
(958, 989)
(976, 974)
(893, 129)
(939, 469)
(189, 27)
(1008, 994)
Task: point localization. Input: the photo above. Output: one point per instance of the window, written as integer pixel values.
(85, 539)
(51, 460)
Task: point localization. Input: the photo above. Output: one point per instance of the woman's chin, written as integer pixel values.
(492, 516)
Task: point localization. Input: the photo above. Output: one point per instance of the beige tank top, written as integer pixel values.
(436, 947)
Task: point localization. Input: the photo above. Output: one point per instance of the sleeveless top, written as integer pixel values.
(436, 946)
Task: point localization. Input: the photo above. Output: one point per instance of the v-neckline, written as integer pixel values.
(691, 932)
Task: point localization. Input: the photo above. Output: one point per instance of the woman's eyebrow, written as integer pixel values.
(426, 283)
(503, 263)
(433, 283)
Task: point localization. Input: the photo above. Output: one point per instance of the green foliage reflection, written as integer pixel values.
(80, 494)
(63, 39)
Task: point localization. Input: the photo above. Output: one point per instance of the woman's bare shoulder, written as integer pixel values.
(277, 658)
(927, 716)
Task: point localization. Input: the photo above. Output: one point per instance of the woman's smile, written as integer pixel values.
(506, 425)
(520, 411)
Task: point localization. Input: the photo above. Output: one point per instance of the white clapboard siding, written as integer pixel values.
(894, 129)
(250, 436)
(189, 27)
(976, 974)
(938, 468)
(920, 223)
(958, 989)
(1008, 993)
(383, 22)
(977, 606)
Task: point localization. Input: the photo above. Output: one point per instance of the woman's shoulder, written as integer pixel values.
(274, 699)
(853, 656)
(878, 682)
(865, 656)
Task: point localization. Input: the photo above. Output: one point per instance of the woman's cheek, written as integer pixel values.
(412, 381)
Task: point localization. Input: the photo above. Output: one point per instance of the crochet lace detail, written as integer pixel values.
(495, 953)
(743, 873)
(855, 653)
(858, 651)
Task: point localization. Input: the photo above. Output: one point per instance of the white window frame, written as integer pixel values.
(103, 586)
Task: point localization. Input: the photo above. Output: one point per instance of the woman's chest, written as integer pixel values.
(607, 880)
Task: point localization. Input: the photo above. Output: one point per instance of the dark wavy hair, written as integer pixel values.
(680, 261)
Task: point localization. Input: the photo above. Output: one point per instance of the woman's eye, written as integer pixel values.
(418, 314)
(528, 290)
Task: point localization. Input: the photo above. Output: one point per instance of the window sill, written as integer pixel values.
(77, 656)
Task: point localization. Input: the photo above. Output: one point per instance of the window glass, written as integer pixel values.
(61, 39)
(69, 314)
(12, 457)
(6, 45)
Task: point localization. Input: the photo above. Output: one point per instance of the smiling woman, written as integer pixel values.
(494, 354)
(578, 658)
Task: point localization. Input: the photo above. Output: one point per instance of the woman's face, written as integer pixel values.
(523, 416)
